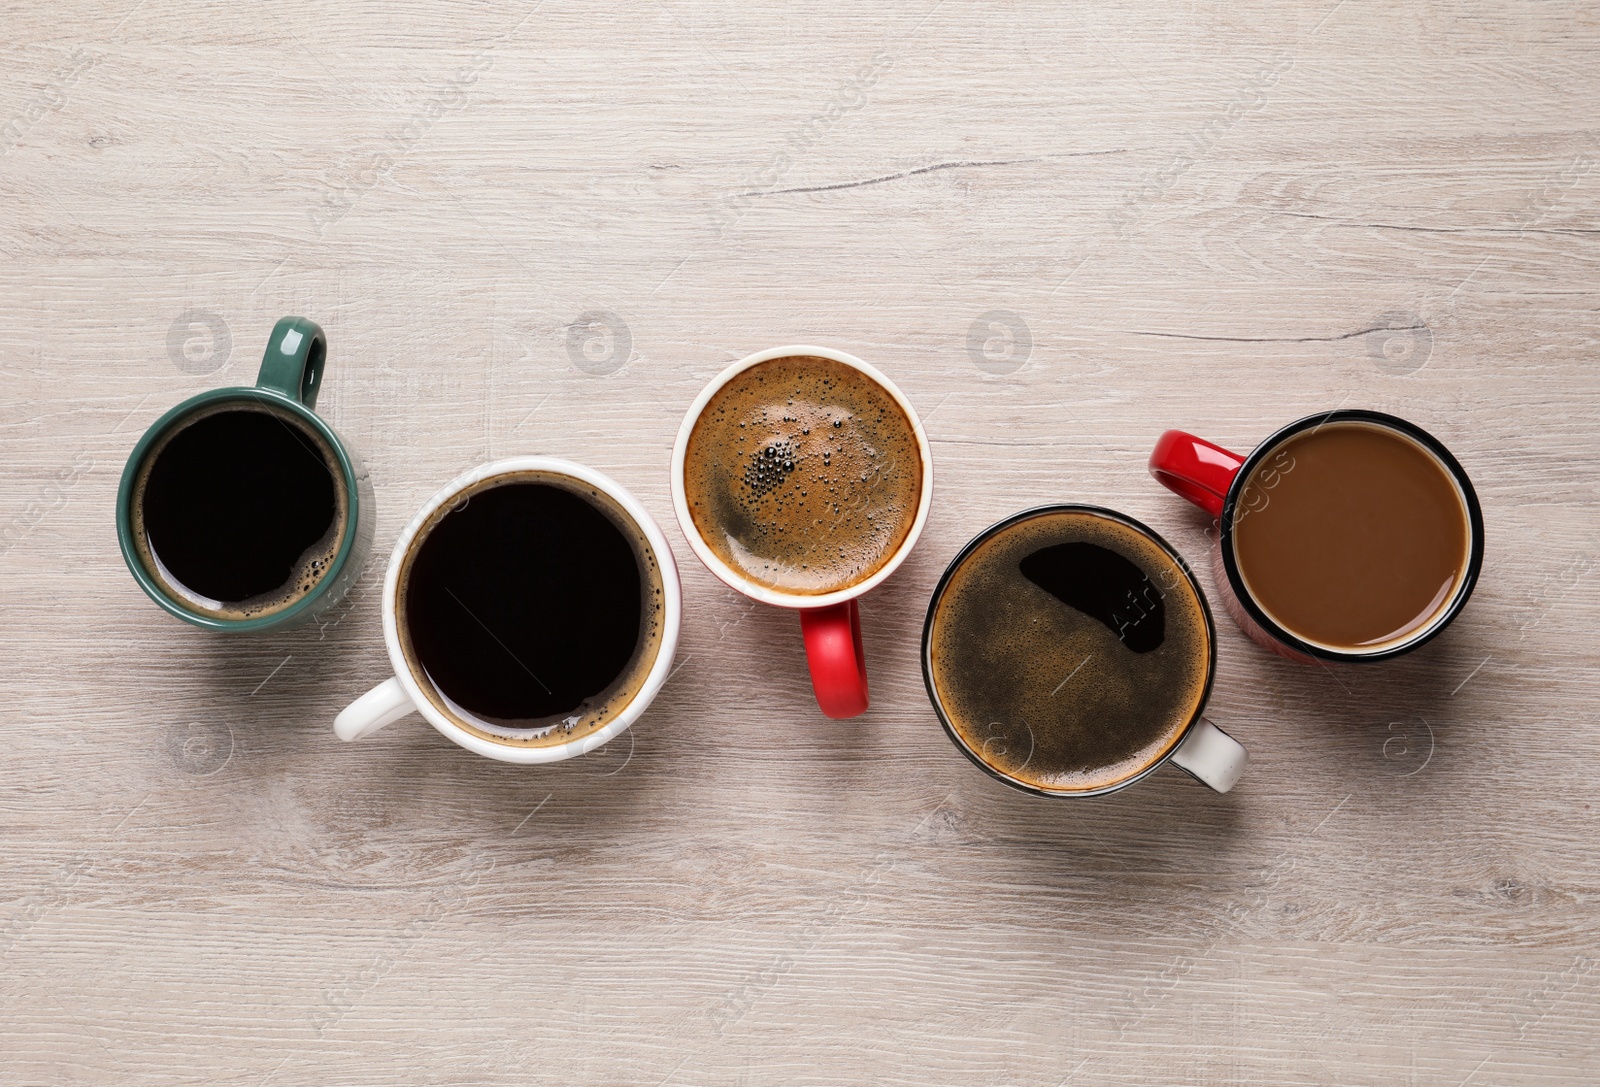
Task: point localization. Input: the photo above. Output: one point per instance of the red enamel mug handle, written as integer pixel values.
(833, 650)
(1195, 468)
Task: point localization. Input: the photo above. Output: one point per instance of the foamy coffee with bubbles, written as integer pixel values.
(803, 475)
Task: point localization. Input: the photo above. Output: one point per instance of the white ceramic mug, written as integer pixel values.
(830, 623)
(405, 692)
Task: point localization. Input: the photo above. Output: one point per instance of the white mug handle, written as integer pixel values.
(383, 705)
(1207, 753)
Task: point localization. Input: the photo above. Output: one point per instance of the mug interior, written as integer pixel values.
(942, 711)
(1236, 503)
(161, 585)
(632, 690)
(733, 578)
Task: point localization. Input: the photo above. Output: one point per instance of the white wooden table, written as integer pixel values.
(1062, 229)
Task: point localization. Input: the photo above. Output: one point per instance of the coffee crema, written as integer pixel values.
(531, 609)
(803, 475)
(1068, 651)
(1351, 536)
(239, 510)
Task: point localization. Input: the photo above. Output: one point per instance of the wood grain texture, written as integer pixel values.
(1213, 216)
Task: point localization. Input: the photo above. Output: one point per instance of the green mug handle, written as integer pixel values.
(292, 365)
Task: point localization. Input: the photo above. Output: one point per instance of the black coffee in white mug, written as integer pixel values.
(526, 603)
(530, 610)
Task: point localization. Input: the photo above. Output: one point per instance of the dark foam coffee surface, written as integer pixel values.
(803, 474)
(239, 510)
(1069, 651)
(534, 605)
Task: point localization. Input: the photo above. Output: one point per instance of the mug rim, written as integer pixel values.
(1406, 428)
(671, 589)
(732, 578)
(995, 529)
(176, 415)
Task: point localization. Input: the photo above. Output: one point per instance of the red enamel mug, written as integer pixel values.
(1234, 488)
(830, 622)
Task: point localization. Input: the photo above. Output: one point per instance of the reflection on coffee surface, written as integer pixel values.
(1351, 536)
(1069, 651)
(239, 511)
(803, 475)
(533, 603)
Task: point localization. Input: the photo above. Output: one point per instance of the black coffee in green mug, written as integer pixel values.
(241, 509)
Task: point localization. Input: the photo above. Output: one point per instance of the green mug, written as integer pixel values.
(216, 501)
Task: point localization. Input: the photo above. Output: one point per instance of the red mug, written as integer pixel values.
(830, 622)
(1230, 487)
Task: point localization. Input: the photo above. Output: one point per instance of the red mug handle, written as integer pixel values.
(1195, 468)
(833, 650)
